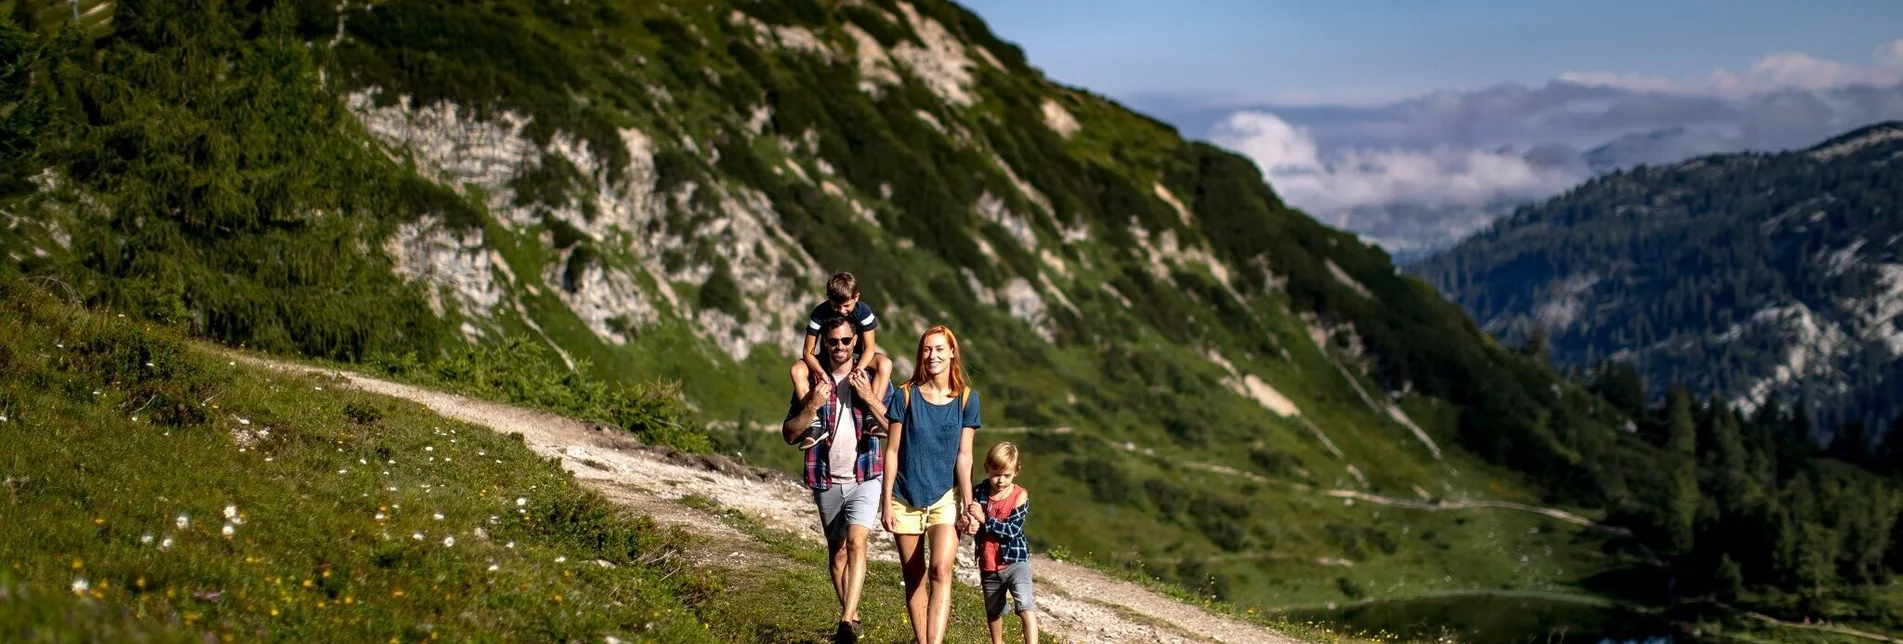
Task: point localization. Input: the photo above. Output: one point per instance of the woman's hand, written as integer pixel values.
(886, 519)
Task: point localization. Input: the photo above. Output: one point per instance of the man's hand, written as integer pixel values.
(861, 385)
(822, 392)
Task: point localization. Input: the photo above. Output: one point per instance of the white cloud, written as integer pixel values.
(1773, 72)
(1356, 177)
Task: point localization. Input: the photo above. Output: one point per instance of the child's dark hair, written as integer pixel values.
(841, 287)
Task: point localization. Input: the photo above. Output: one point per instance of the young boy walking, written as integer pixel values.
(842, 301)
(1004, 556)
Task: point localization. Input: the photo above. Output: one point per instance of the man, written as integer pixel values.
(844, 468)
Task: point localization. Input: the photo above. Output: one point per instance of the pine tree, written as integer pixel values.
(1681, 460)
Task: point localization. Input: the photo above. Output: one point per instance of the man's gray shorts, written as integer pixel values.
(848, 504)
(1015, 578)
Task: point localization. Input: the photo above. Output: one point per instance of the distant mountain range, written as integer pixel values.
(1742, 275)
(1568, 130)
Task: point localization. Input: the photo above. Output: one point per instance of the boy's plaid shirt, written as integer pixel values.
(1007, 533)
(868, 465)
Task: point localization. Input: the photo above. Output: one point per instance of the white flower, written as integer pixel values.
(231, 511)
(511, 545)
(80, 586)
(244, 421)
(166, 544)
(521, 501)
(381, 516)
(234, 363)
(4, 419)
(145, 539)
(561, 559)
(438, 516)
(493, 567)
(392, 488)
(418, 536)
(362, 462)
(482, 452)
(148, 364)
(343, 471)
(319, 388)
(449, 541)
(429, 448)
(183, 522)
(445, 459)
(227, 531)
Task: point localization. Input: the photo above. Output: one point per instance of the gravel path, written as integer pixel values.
(1079, 604)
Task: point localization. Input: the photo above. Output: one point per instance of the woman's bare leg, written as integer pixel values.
(944, 555)
(912, 566)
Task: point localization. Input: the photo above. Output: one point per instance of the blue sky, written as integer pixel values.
(1365, 50)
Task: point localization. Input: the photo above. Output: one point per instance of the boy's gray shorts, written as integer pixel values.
(849, 504)
(1015, 578)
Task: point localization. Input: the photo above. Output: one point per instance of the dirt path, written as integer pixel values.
(1079, 604)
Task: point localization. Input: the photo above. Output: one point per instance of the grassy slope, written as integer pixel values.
(90, 475)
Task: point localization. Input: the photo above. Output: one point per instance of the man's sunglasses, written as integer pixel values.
(839, 342)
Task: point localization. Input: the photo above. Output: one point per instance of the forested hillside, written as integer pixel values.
(1740, 276)
(658, 190)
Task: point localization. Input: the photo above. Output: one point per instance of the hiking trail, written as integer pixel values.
(1078, 604)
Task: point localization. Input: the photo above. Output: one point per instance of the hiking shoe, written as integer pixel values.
(813, 437)
(846, 633)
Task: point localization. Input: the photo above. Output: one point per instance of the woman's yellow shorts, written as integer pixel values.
(907, 519)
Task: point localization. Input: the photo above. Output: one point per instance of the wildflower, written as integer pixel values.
(380, 516)
(521, 501)
(231, 513)
(560, 559)
(482, 452)
(362, 462)
(449, 541)
(227, 531)
(148, 364)
(183, 522)
(145, 539)
(343, 471)
(80, 586)
(511, 545)
(166, 544)
(418, 536)
(244, 421)
(429, 448)
(493, 567)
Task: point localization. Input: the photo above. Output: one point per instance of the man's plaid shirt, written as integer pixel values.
(870, 460)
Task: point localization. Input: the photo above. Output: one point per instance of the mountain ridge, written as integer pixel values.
(1818, 282)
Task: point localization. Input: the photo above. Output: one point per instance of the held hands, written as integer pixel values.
(822, 392)
(861, 385)
(971, 519)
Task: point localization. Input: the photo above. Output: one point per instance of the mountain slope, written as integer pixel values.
(1743, 276)
(657, 190)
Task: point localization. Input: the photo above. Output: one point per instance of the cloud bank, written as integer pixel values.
(1416, 173)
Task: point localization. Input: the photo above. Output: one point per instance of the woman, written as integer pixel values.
(927, 498)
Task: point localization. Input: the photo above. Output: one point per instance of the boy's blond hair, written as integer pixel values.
(1001, 457)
